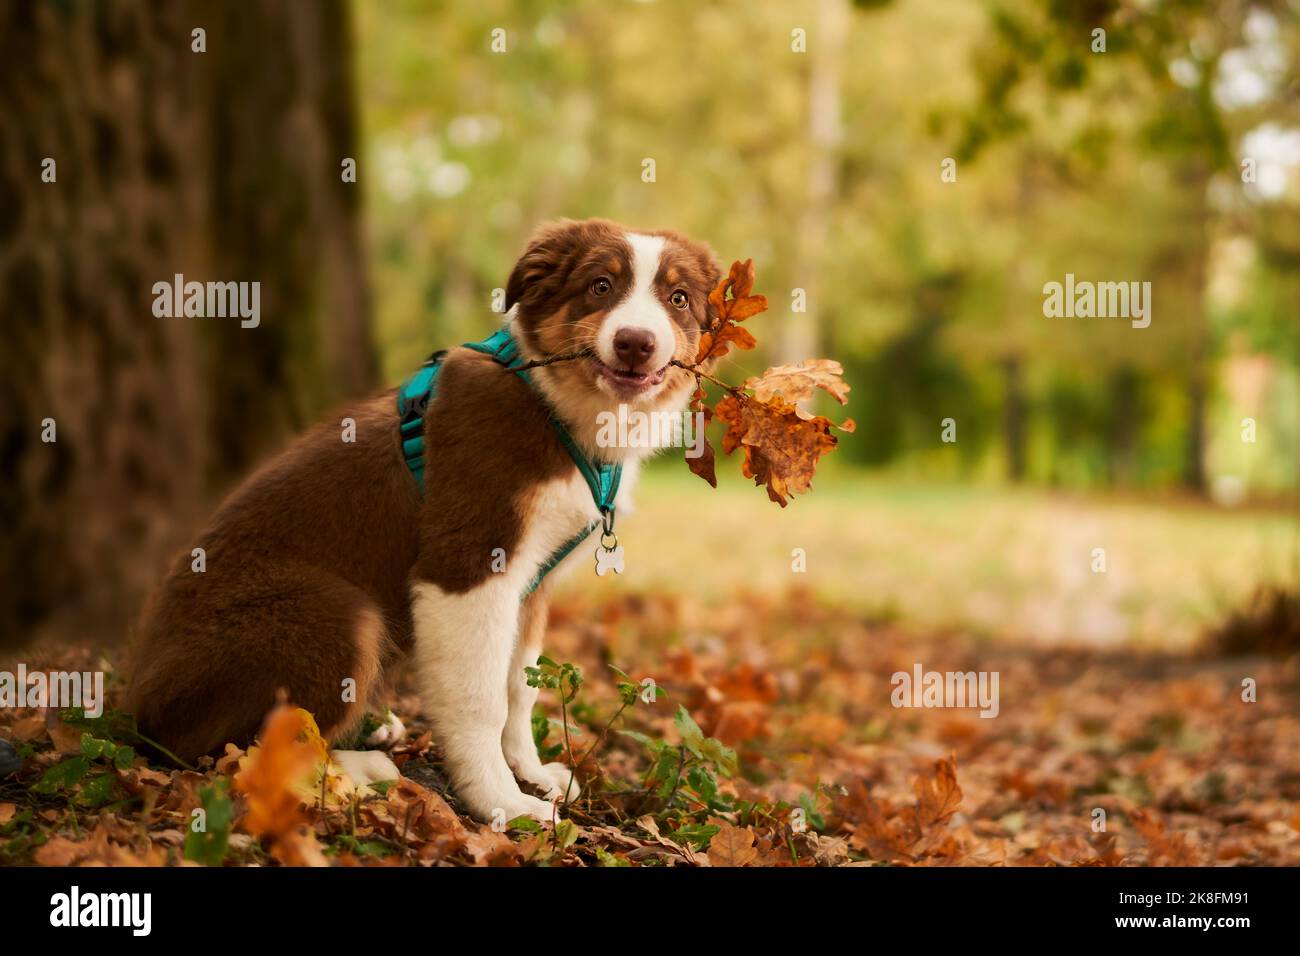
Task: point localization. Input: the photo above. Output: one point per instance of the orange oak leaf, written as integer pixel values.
(782, 442)
(98, 850)
(798, 382)
(271, 778)
(741, 305)
(424, 816)
(1163, 848)
(732, 846)
(914, 833)
(781, 446)
(705, 464)
(715, 346)
(875, 828)
(938, 796)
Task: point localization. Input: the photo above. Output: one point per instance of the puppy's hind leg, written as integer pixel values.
(219, 648)
(388, 734)
(365, 767)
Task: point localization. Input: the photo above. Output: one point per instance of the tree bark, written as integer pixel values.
(221, 166)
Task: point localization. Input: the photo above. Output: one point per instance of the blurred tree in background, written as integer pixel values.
(1160, 93)
(219, 165)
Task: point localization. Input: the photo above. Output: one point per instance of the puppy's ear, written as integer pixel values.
(538, 269)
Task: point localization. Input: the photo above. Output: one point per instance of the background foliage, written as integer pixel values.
(825, 167)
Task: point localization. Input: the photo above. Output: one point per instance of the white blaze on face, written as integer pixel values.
(641, 308)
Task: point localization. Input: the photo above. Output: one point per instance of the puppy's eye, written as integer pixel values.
(601, 286)
(679, 299)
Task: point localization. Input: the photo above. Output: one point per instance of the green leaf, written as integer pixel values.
(628, 689)
(541, 728)
(648, 742)
(376, 848)
(698, 834)
(703, 783)
(99, 791)
(541, 731)
(22, 821)
(63, 775)
(536, 677)
(572, 676)
(609, 859)
(110, 725)
(721, 755)
(525, 823)
(692, 736)
(124, 757)
(566, 834)
(665, 770)
(815, 819)
(209, 846)
(92, 747)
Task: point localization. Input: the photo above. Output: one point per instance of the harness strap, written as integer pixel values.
(602, 479)
(413, 398)
(415, 394)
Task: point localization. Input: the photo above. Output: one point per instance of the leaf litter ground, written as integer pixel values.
(829, 772)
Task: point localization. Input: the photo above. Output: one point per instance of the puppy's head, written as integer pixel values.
(631, 301)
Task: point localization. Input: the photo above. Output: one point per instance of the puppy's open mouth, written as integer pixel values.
(627, 382)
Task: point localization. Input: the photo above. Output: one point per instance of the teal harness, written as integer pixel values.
(415, 394)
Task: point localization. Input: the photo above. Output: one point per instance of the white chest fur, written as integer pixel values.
(559, 511)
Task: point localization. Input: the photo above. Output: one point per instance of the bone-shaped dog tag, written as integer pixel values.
(609, 555)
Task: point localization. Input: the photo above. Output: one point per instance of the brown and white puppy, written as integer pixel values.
(328, 566)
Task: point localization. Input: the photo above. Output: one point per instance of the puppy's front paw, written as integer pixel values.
(555, 780)
(501, 811)
(388, 735)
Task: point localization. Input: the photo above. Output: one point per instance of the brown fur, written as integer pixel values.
(492, 446)
(300, 592)
(310, 561)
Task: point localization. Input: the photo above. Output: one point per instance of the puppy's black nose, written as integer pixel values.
(634, 346)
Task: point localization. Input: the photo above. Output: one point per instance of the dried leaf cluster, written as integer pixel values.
(765, 418)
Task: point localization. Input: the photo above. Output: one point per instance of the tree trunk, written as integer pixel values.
(1196, 179)
(1013, 417)
(1121, 463)
(221, 166)
(800, 332)
(1194, 463)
